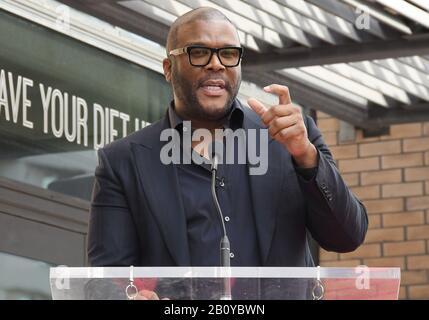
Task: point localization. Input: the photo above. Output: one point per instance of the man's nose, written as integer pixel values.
(214, 63)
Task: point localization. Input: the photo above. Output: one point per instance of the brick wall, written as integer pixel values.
(390, 174)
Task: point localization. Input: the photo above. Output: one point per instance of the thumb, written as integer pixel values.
(257, 106)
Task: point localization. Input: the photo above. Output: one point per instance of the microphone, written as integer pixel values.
(225, 258)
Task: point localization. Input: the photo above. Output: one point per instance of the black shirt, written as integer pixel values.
(233, 190)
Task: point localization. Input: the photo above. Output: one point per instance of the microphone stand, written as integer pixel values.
(225, 258)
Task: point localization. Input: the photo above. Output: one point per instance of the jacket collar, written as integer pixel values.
(159, 179)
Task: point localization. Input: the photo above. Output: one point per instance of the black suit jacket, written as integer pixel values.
(137, 216)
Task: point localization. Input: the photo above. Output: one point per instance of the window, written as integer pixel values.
(60, 100)
(23, 279)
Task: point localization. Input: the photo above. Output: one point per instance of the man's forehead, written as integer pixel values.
(202, 32)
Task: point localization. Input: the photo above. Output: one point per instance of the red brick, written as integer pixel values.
(427, 158)
(426, 129)
(386, 262)
(403, 218)
(402, 190)
(379, 148)
(417, 203)
(417, 174)
(327, 255)
(368, 192)
(330, 138)
(404, 131)
(341, 264)
(364, 251)
(374, 221)
(402, 161)
(418, 292)
(416, 144)
(381, 177)
(385, 205)
(418, 232)
(402, 293)
(344, 152)
(385, 234)
(360, 137)
(356, 165)
(413, 277)
(418, 262)
(351, 179)
(404, 248)
(328, 124)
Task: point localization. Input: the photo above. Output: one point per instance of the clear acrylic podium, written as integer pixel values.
(208, 283)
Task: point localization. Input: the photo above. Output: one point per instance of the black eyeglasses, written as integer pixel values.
(200, 56)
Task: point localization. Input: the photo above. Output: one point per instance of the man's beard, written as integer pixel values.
(186, 91)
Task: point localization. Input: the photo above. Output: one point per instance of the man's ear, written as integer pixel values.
(166, 64)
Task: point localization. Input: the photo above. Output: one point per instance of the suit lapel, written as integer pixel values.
(161, 187)
(265, 190)
(160, 181)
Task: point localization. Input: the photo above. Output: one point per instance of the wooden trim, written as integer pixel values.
(44, 206)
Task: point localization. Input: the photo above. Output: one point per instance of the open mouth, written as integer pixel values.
(213, 88)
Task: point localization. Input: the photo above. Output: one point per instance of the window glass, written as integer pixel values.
(61, 99)
(23, 278)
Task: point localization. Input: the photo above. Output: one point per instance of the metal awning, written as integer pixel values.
(364, 62)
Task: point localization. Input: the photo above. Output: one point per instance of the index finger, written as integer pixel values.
(281, 91)
(257, 106)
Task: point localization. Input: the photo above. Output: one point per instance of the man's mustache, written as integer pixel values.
(215, 77)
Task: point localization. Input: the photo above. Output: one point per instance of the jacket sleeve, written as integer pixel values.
(336, 219)
(112, 238)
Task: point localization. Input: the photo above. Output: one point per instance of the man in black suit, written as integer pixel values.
(146, 213)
